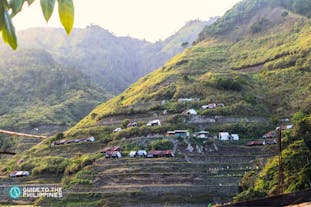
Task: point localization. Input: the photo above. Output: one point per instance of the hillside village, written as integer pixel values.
(207, 128)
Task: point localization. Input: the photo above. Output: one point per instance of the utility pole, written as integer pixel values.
(280, 169)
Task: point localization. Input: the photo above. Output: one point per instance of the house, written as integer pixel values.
(142, 153)
(201, 134)
(284, 127)
(60, 142)
(154, 153)
(235, 137)
(160, 153)
(170, 133)
(133, 154)
(168, 153)
(117, 130)
(113, 154)
(269, 141)
(64, 141)
(212, 105)
(190, 112)
(285, 120)
(19, 174)
(255, 143)
(224, 136)
(271, 134)
(89, 139)
(209, 106)
(182, 133)
(165, 112)
(113, 149)
(132, 124)
(188, 99)
(154, 123)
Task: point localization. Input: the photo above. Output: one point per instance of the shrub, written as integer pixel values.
(163, 144)
(228, 84)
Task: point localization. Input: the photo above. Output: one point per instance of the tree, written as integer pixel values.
(184, 44)
(60, 136)
(10, 8)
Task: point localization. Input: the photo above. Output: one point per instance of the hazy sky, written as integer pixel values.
(144, 19)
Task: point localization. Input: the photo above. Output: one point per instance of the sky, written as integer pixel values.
(151, 20)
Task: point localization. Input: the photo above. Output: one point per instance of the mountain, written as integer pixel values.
(251, 75)
(254, 62)
(37, 92)
(53, 80)
(112, 62)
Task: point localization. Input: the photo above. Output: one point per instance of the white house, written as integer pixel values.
(154, 123)
(142, 153)
(19, 174)
(235, 137)
(133, 154)
(182, 133)
(132, 124)
(117, 130)
(190, 112)
(224, 136)
(201, 134)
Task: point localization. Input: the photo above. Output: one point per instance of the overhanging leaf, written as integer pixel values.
(1, 15)
(66, 14)
(8, 31)
(30, 2)
(47, 7)
(16, 6)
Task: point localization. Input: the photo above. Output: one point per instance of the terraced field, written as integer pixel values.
(175, 181)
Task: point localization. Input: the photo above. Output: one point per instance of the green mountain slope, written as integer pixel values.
(265, 73)
(37, 92)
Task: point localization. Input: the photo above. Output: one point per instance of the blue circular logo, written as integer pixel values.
(15, 192)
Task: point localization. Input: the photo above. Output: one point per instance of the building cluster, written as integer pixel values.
(65, 141)
(115, 152)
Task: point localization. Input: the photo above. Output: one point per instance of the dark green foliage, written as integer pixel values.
(248, 180)
(260, 26)
(249, 194)
(47, 165)
(182, 62)
(59, 136)
(162, 144)
(80, 162)
(125, 123)
(228, 84)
